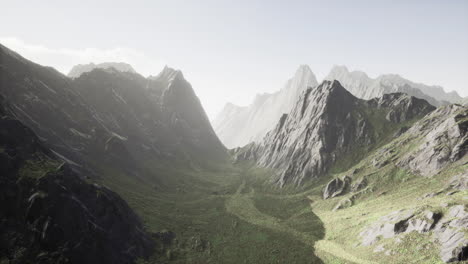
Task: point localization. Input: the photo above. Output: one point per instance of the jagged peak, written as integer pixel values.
(338, 70)
(169, 74)
(79, 69)
(303, 68)
(305, 73)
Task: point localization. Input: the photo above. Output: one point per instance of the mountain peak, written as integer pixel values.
(79, 69)
(169, 73)
(304, 77)
(322, 127)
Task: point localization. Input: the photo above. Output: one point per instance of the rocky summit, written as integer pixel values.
(326, 125)
(79, 69)
(237, 126)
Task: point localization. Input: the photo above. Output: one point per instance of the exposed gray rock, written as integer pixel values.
(155, 118)
(450, 233)
(336, 187)
(56, 216)
(326, 124)
(444, 140)
(459, 182)
(386, 227)
(423, 224)
(359, 184)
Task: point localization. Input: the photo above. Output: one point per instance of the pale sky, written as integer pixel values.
(231, 50)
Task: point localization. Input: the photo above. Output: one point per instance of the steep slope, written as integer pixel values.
(50, 214)
(327, 124)
(408, 193)
(362, 86)
(238, 126)
(84, 118)
(79, 69)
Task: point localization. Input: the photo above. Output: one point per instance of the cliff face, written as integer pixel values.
(237, 126)
(326, 124)
(50, 214)
(153, 118)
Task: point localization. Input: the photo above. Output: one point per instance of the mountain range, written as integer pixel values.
(108, 166)
(238, 126)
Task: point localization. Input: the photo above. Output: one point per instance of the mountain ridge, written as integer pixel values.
(326, 123)
(237, 126)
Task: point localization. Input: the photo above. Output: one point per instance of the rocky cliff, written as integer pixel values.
(51, 214)
(156, 118)
(327, 125)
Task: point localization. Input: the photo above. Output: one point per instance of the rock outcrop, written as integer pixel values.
(326, 124)
(444, 139)
(448, 231)
(336, 187)
(237, 126)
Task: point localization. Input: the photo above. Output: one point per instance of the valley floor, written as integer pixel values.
(234, 215)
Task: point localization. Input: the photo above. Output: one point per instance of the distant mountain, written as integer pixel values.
(327, 124)
(79, 69)
(362, 86)
(238, 126)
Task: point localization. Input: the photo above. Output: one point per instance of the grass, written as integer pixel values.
(233, 214)
(239, 217)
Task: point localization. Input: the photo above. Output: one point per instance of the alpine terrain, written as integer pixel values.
(237, 126)
(108, 166)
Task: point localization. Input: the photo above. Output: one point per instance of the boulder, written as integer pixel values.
(451, 235)
(336, 187)
(360, 184)
(387, 227)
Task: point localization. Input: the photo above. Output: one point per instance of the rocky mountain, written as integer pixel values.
(79, 69)
(108, 113)
(432, 154)
(237, 126)
(51, 214)
(362, 86)
(325, 126)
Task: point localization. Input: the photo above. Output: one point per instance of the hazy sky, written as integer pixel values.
(232, 50)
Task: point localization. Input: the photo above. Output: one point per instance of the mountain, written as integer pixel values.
(103, 128)
(327, 124)
(362, 86)
(237, 126)
(387, 176)
(51, 214)
(86, 118)
(79, 69)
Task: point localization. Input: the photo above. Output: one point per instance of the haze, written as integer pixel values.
(232, 51)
